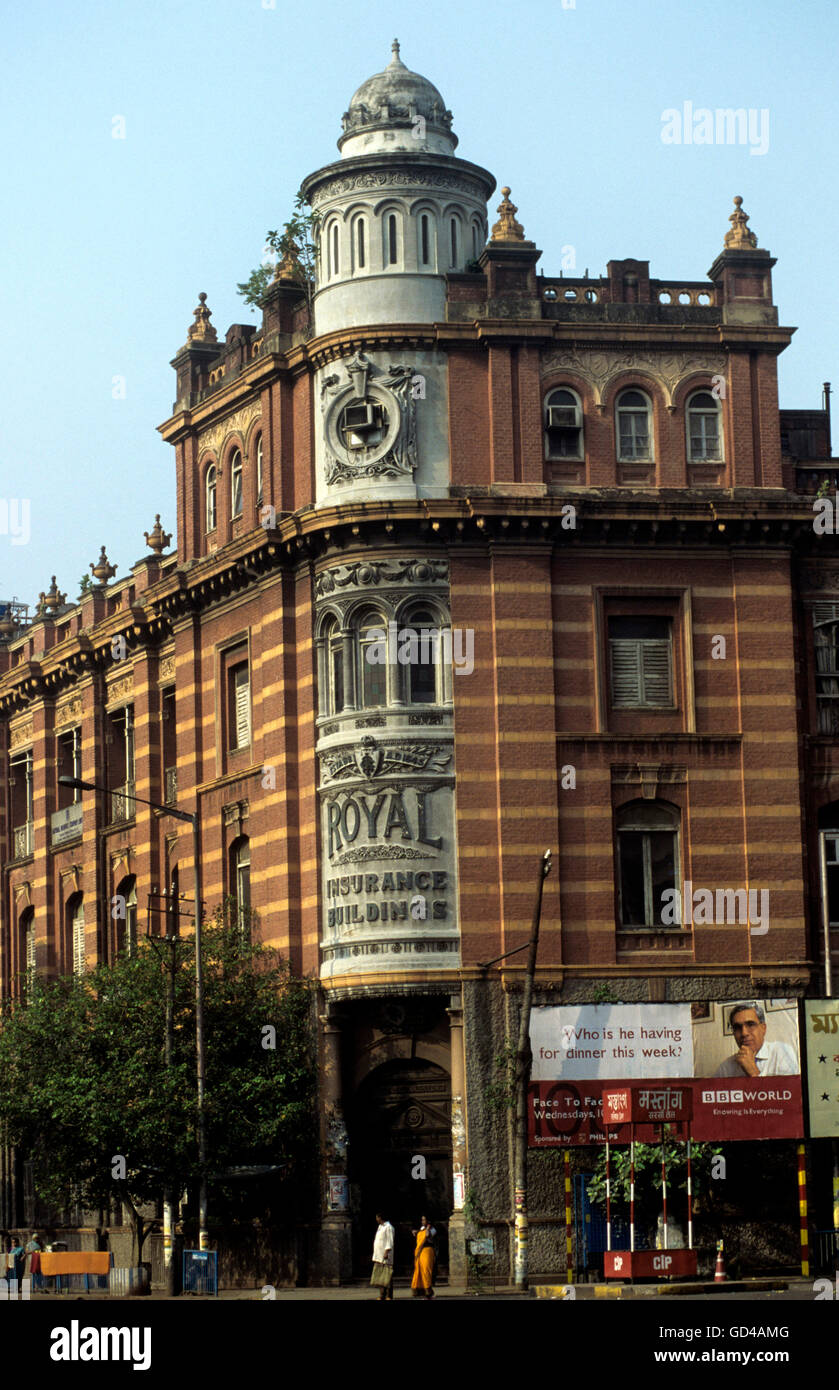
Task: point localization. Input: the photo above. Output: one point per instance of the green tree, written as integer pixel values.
(84, 1083)
(298, 239)
(648, 1178)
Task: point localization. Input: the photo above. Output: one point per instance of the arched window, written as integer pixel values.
(240, 881)
(476, 249)
(335, 666)
(418, 650)
(360, 248)
(27, 947)
(210, 498)
(335, 262)
(75, 932)
(391, 239)
(564, 424)
(453, 239)
(259, 469)
(648, 862)
(372, 653)
(425, 239)
(127, 924)
(634, 432)
(236, 484)
(703, 427)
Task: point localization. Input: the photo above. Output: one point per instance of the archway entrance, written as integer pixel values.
(401, 1114)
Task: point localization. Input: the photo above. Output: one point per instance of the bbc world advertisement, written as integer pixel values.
(740, 1058)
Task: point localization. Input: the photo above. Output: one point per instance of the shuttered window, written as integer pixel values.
(78, 940)
(240, 706)
(641, 655)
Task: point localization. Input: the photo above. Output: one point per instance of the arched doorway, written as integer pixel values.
(401, 1114)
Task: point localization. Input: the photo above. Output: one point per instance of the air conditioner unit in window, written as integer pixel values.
(361, 417)
(562, 417)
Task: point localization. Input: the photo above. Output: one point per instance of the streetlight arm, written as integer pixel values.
(79, 785)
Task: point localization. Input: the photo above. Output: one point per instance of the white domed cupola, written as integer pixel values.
(398, 212)
(397, 215)
(397, 110)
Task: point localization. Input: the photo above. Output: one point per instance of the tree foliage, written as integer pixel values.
(298, 239)
(648, 1176)
(84, 1080)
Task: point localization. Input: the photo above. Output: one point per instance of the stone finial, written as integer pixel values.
(396, 61)
(103, 570)
(202, 331)
(507, 228)
(290, 267)
(157, 539)
(52, 599)
(739, 238)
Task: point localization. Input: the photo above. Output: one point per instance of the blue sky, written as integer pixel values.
(227, 104)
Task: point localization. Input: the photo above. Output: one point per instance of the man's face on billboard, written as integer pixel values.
(748, 1030)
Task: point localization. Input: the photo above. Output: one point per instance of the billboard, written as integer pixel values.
(821, 1030)
(739, 1059)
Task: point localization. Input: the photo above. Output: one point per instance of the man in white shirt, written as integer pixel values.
(754, 1056)
(383, 1256)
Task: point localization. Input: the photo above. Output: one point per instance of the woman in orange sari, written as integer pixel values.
(424, 1260)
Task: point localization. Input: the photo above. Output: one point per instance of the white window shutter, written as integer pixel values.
(30, 950)
(626, 671)
(79, 961)
(243, 706)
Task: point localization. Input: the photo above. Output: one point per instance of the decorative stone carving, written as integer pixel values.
(396, 178)
(649, 776)
(202, 331)
(121, 689)
(372, 759)
(599, 367)
(739, 238)
(507, 228)
(166, 669)
(379, 852)
(103, 570)
(216, 435)
(364, 574)
(394, 454)
(235, 813)
(68, 712)
(21, 733)
(157, 539)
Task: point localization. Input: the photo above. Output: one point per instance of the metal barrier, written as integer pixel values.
(200, 1271)
(125, 1281)
(827, 1251)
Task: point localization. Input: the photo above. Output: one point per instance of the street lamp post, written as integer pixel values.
(193, 819)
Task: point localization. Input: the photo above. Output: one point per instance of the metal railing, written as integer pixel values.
(24, 840)
(122, 803)
(827, 1251)
(170, 779)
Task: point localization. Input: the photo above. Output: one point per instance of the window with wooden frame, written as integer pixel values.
(648, 862)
